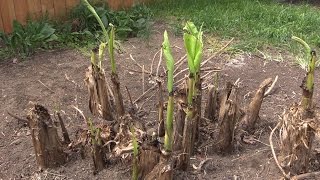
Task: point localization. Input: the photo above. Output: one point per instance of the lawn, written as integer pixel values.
(256, 24)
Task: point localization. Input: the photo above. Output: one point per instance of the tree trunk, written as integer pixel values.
(163, 170)
(252, 112)
(118, 96)
(99, 157)
(47, 144)
(179, 119)
(99, 102)
(198, 102)
(149, 157)
(188, 139)
(212, 104)
(296, 136)
(228, 116)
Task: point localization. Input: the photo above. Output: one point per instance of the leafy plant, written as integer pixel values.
(133, 22)
(97, 17)
(84, 20)
(24, 40)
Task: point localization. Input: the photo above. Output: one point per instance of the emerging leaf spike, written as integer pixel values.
(168, 138)
(169, 61)
(194, 45)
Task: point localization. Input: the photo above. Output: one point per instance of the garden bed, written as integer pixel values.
(56, 80)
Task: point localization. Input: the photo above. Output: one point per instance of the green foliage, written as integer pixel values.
(24, 40)
(94, 12)
(86, 21)
(81, 31)
(130, 23)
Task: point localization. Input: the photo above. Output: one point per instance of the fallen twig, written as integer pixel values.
(159, 63)
(216, 53)
(46, 86)
(186, 69)
(287, 176)
(307, 175)
(137, 64)
(63, 129)
(81, 113)
(179, 63)
(143, 94)
(18, 118)
(154, 57)
(130, 99)
(146, 101)
(138, 71)
(271, 87)
(201, 164)
(143, 78)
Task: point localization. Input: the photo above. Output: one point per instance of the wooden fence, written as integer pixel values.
(20, 10)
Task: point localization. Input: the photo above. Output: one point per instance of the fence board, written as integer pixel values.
(1, 23)
(35, 8)
(7, 13)
(114, 4)
(59, 8)
(21, 10)
(71, 3)
(47, 7)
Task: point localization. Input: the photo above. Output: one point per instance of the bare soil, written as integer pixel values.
(55, 80)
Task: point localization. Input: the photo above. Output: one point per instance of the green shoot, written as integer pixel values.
(170, 68)
(310, 77)
(169, 61)
(309, 84)
(92, 130)
(135, 155)
(111, 49)
(102, 48)
(303, 43)
(93, 58)
(194, 45)
(93, 11)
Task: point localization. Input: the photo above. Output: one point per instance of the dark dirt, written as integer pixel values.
(55, 80)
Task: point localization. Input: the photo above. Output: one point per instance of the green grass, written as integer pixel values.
(255, 23)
